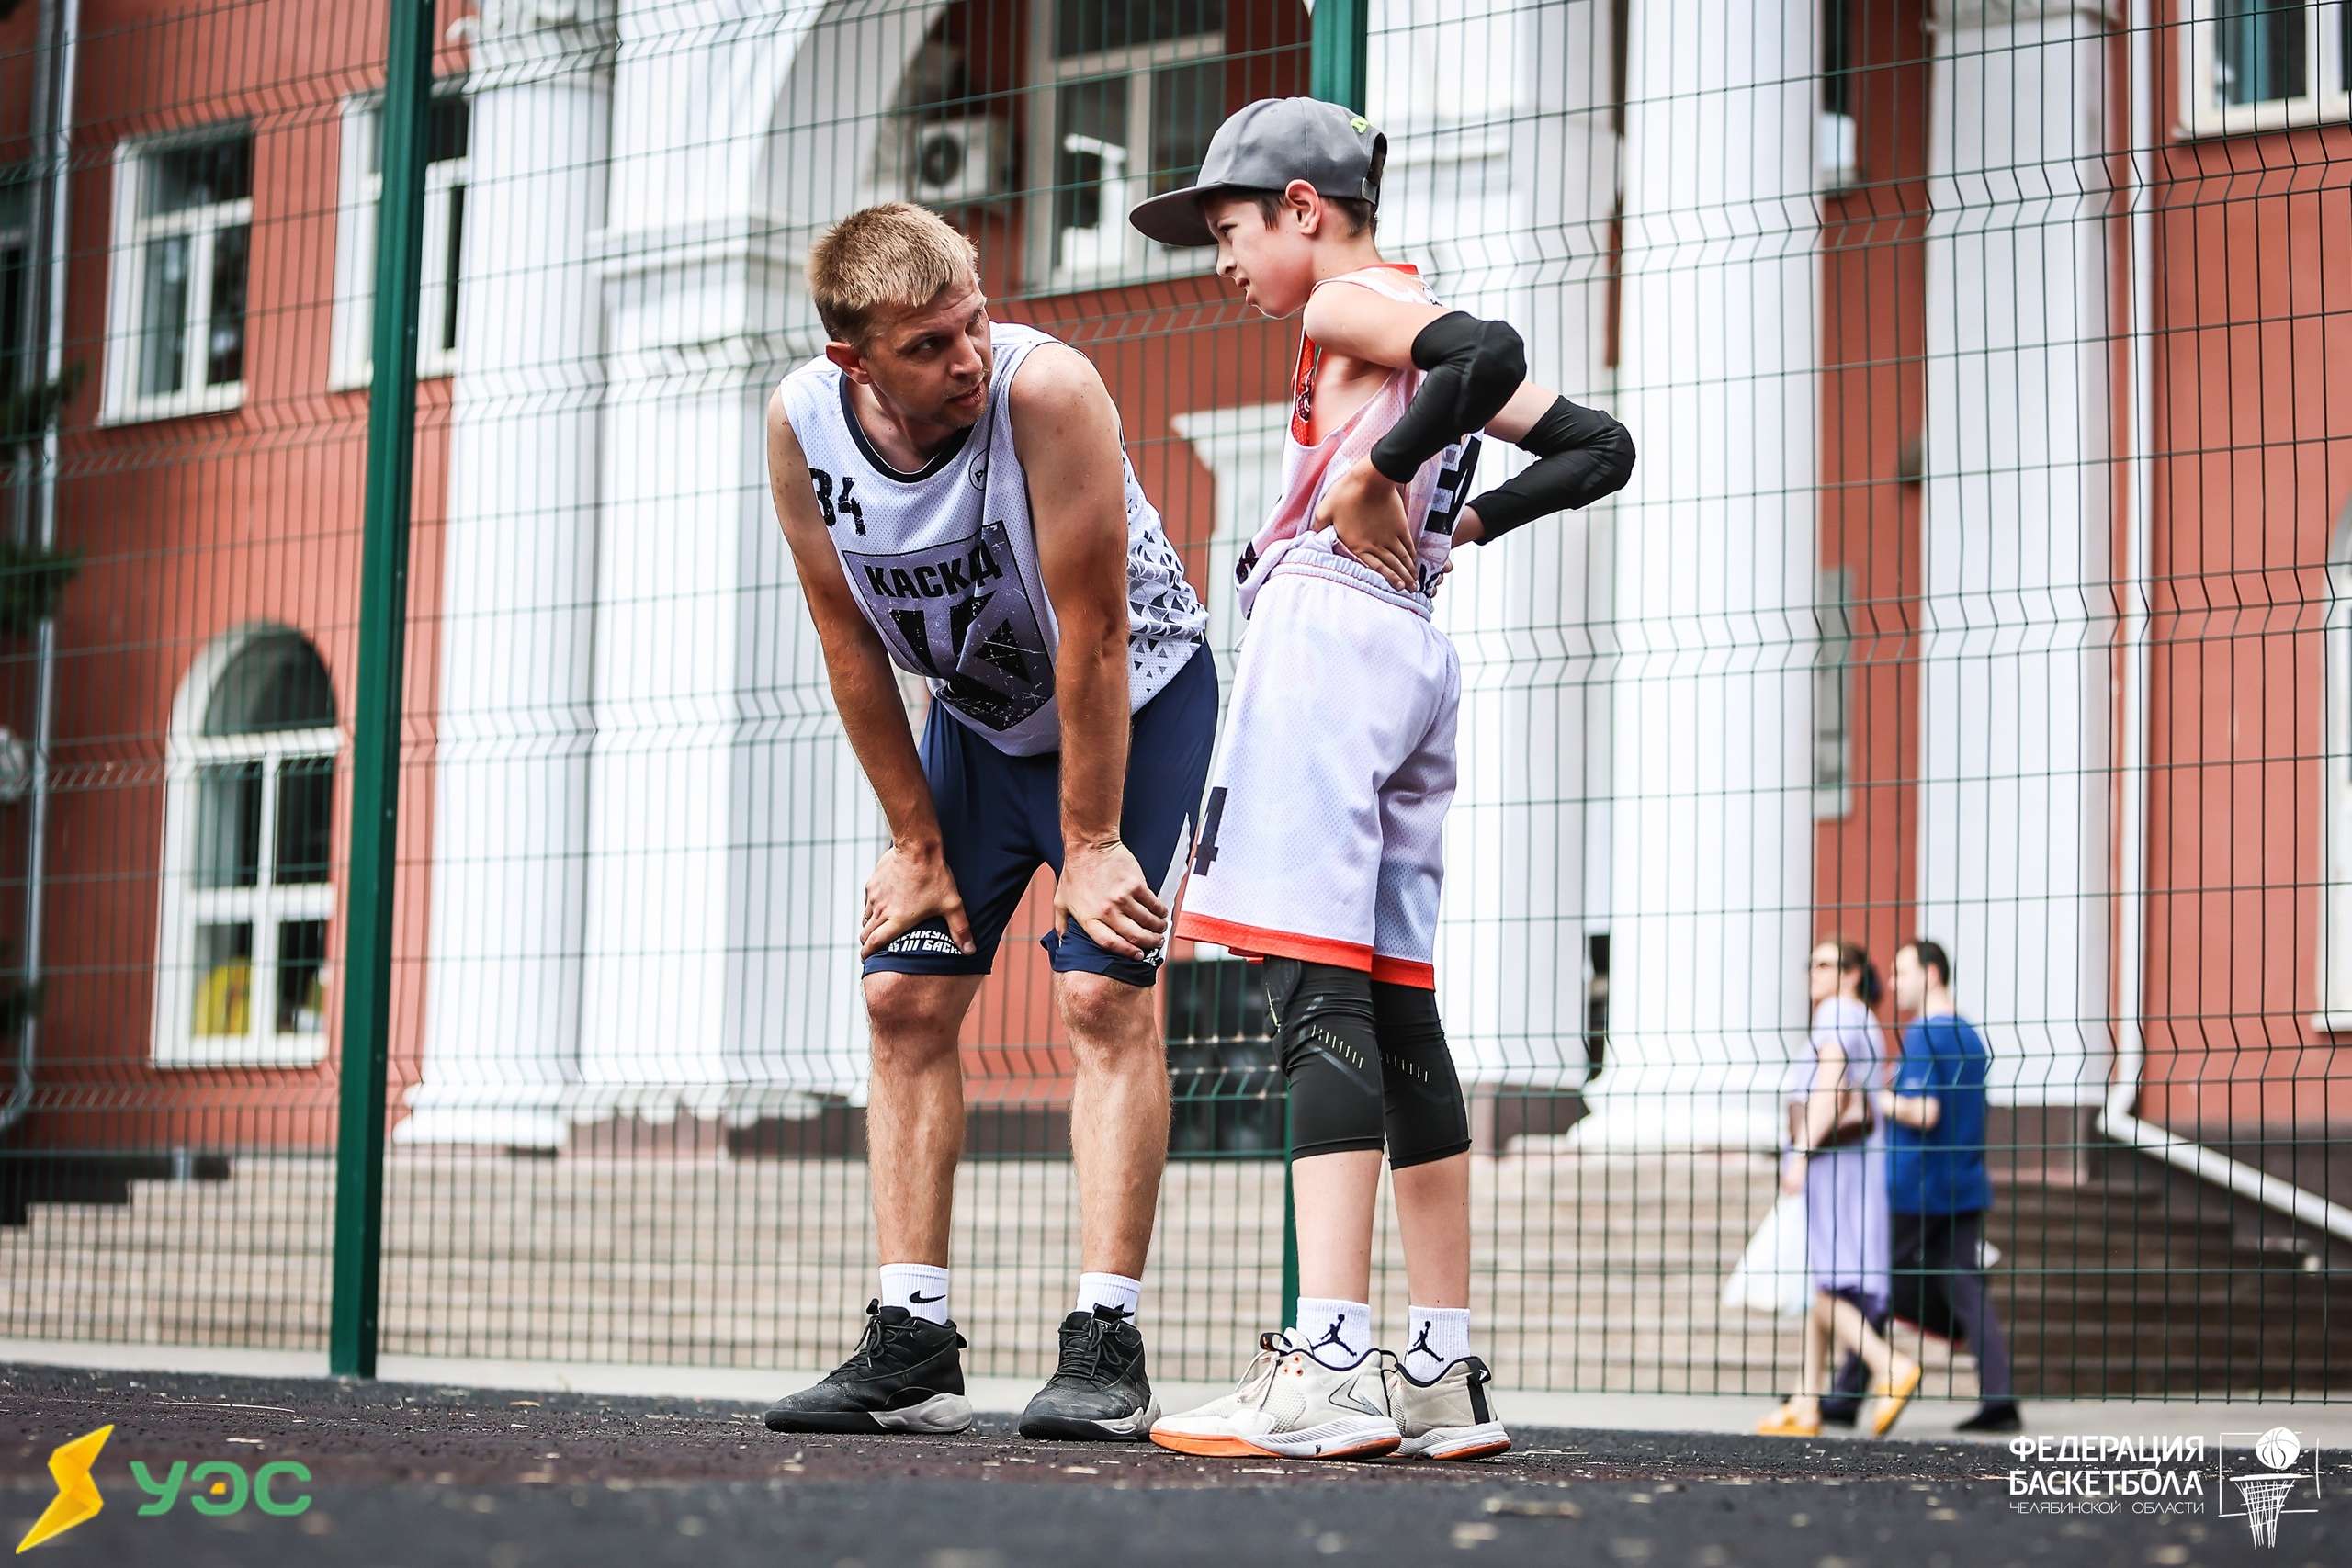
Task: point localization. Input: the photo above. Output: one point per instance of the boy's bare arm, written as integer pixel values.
(1363, 324)
(1527, 405)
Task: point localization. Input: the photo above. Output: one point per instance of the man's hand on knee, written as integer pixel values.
(1103, 889)
(911, 885)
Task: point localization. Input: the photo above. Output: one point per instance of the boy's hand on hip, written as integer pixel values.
(1103, 890)
(911, 885)
(1367, 511)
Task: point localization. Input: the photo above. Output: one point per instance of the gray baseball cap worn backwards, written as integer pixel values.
(1264, 146)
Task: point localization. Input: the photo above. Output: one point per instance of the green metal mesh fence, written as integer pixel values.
(1981, 580)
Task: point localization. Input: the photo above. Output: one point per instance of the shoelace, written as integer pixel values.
(1258, 1380)
(1082, 1359)
(868, 1348)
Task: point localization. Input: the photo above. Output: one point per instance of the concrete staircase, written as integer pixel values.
(1596, 1272)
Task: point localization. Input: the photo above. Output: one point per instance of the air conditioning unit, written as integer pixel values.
(953, 162)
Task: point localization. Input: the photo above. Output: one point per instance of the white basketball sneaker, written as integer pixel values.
(1450, 1416)
(1290, 1405)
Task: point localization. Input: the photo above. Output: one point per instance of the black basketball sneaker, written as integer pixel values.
(905, 1376)
(1099, 1388)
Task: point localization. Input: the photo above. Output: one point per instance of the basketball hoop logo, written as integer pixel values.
(2269, 1484)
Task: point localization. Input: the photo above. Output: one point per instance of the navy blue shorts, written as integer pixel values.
(999, 818)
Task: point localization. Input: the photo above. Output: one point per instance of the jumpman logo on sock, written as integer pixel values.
(1331, 1337)
(1421, 1344)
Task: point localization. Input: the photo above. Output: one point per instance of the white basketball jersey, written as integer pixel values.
(1323, 838)
(943, 561)
(1434, 499)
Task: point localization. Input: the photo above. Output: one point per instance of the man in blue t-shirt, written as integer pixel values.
(1937, 1179)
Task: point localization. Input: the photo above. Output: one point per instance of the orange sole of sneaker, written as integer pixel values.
(1483, 1451)
(1235, 1447)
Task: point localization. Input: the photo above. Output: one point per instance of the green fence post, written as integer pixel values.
(375, 750)
(1338, 73)
(1290, 1229)
(1336, 76)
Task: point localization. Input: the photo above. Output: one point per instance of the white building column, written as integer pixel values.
(2015, 647)
(510, 828)
(730, 828)
(1711, 858)
(1242, 445)
(1505, 195)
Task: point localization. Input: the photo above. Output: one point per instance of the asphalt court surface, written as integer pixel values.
(409, 1474)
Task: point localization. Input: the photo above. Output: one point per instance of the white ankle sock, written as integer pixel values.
(921, 1287)
(1435, 1339)
(1115, 1290)
(1338, 1332)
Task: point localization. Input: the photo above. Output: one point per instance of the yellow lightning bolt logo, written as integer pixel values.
(77, 1494)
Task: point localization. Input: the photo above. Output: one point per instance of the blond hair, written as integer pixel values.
(896, 255)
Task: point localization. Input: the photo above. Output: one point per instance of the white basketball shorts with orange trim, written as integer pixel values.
(1323, 835)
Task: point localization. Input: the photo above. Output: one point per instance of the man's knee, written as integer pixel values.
(914, 1018)
(1104, 1018)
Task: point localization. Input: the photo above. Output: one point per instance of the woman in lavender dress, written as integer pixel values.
(1847, 1250)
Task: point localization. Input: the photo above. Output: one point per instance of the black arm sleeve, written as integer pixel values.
(1473, 368)
(1584, 455)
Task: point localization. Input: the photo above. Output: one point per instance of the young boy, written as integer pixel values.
(1319, 849)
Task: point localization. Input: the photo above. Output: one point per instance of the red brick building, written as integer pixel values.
(1980, 575)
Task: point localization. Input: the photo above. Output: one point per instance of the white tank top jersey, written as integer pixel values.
(943, 561)
(1289, 541)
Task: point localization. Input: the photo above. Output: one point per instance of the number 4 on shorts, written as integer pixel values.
(1204, 852)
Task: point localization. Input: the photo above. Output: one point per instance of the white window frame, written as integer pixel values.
(1134, 257)
(123, 403)
(1837, 153)
(185, 907)
(1241, 447)
(1833, 665)
(2203, 114)
(2334, 993)
(350, 361)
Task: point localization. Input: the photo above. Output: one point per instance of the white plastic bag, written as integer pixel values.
(1772, 1275)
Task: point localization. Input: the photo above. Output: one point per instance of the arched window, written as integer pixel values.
(248, 847)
